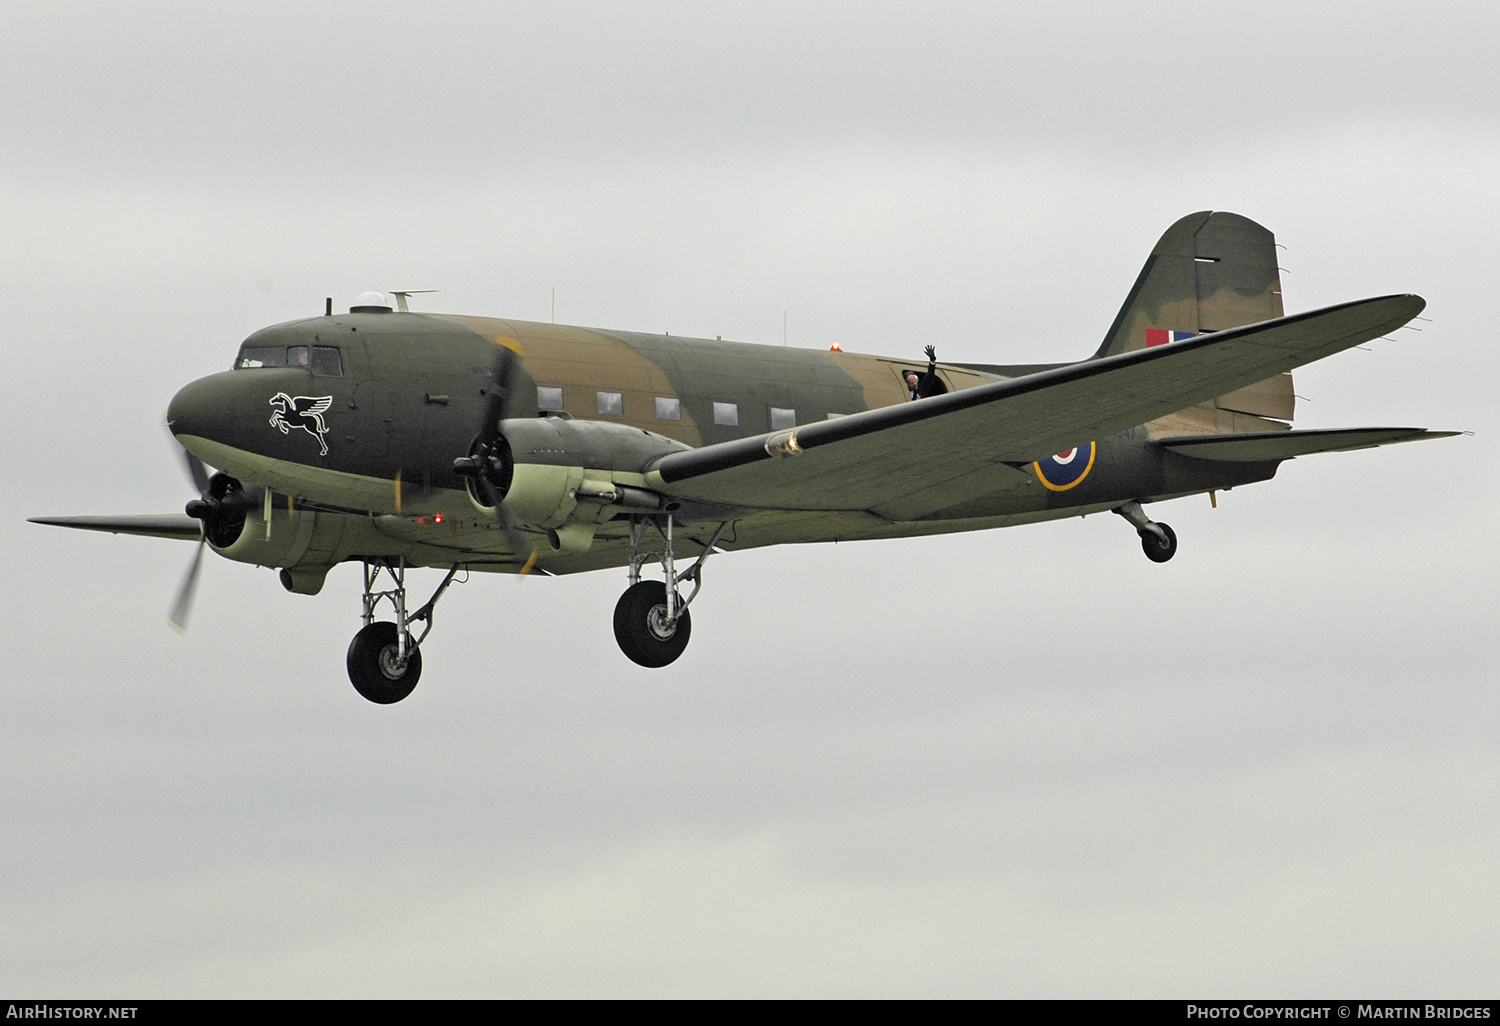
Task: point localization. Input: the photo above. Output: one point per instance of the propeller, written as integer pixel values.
(490, 466)
(221, 507)
(177, 619)
(197, 472)
(182, 606)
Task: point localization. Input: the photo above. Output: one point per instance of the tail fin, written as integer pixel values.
(1210, 271)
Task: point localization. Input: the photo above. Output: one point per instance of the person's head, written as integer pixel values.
(911, 379)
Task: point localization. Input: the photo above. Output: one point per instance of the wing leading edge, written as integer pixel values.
(166, 525)
(872, 459)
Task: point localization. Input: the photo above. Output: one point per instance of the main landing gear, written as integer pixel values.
(652, 624)
(1157, 540)
(385, 660)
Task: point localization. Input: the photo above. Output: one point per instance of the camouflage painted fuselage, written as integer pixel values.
(413, 390)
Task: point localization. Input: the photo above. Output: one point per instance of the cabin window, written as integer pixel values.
(261, 356)
(326, 362)
(611, 404)
(668, 409)
(782, 418)
(549, 397)
(727, 414)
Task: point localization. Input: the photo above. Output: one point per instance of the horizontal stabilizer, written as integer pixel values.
(1264, 446)
(168, 525)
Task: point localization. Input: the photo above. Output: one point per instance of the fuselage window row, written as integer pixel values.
(549, 398)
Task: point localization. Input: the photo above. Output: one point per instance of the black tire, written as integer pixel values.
(1156, 550)
(638, 615)
(370, 656)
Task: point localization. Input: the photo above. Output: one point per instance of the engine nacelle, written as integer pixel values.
(542, 495)
(552, 458)
(298, 540)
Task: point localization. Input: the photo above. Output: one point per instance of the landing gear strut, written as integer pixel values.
(384, 659)
(652, 624)
(1157, 540)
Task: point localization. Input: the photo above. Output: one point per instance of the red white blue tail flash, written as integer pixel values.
(1161, 336)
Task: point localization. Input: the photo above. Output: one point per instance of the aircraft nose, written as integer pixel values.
(192, 411)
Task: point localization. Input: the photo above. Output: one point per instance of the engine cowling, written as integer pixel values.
(301, 540)
(222, 509)
(547, 464)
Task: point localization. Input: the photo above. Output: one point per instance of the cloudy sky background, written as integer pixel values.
(1023, 763)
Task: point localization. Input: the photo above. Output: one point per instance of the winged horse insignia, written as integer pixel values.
(305, 413)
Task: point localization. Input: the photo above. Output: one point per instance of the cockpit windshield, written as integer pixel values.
(261, 356)
(325, 361)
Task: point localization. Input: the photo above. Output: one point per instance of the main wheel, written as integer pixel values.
(1159, 551)
(641, 625)
(372, 665)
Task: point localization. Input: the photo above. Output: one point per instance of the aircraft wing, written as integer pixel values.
(168, 525)
(902, 460)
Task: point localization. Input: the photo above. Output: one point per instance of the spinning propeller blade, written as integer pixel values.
(488, 463)
(196, 471)
(208, 509)
(182, 606)
(177, 619)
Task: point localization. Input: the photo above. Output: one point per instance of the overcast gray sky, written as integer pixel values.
(1021, 763)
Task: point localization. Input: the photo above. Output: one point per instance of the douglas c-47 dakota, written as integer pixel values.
(398, 439)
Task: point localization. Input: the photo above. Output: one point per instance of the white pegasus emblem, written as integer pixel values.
(305, 412)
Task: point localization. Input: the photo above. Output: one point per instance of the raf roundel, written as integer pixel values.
(1067, 469)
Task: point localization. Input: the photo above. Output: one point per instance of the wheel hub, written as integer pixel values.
(391, 663)
(661, 627)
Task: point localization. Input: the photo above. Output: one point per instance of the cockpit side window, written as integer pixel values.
(298, 356)
(326, 362)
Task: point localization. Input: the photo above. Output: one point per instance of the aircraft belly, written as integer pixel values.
(820, 527)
